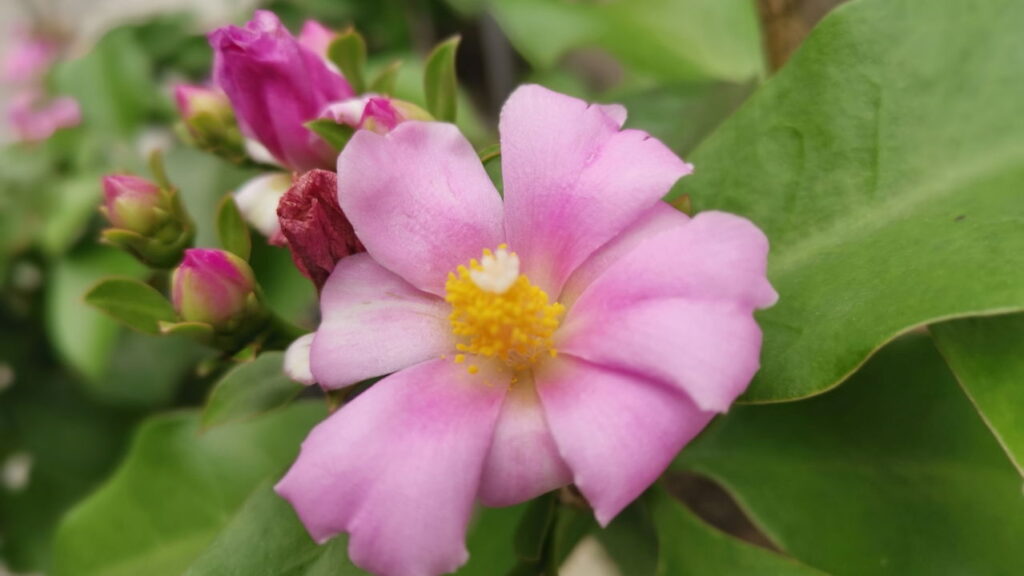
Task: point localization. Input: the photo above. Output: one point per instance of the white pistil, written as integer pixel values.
(498, 271)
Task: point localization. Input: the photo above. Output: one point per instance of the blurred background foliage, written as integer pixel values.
(74, 385)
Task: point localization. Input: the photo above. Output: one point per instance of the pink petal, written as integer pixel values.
(419, 200)
(657, 219)
(523, 462)
(710, 350)
(573, 181)
(617, 112)
(398, 469)
(715, 256)
(617, 431)
(374, 323)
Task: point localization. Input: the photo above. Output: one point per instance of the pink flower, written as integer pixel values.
(29, 57)
(589, 350)
(276, 84)
(34, 117)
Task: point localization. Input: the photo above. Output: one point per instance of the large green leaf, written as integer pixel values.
(177, 489)
(250, 389)
(84, 336)
(118, 366)
(63, 442)
(203, 180)
(687, 545)
(987, 357)
(265, 538)
(670, 40)
(893, 473)
(884, 162)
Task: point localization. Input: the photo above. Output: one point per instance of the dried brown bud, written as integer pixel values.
(317, 231)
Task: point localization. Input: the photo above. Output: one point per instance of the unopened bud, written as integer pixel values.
(214, 287)
(317, 231)
(146, 219)
(133, 203)
(210, 121)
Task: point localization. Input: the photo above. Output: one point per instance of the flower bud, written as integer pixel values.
(316, 37)
(317, 231)
(214, 287)
(210, 121)
(133, 203)
(146, 220)
(377, 113)
(276, 84)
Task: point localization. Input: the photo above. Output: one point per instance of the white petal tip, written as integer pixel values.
(296, 360)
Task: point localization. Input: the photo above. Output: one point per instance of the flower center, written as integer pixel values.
(498, 313)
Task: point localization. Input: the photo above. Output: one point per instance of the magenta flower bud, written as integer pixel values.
(213, 287)
(317, 231)
(133, 203)
(276, 85)
(316, 37)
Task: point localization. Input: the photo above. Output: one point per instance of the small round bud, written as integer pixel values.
(213, 287)
(133, 203)
(210, 120)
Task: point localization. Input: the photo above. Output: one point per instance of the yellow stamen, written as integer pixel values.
(497, 313)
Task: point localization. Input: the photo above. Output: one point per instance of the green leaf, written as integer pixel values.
(681, 114)
(232, 229)
(440, 84)
(337, 135)
(288, 293)
(348, 52)
(384, 82)
(202, 179)
(632, 542)
(670, 40)
(249, 390)
(199, 331)
(175, 491)
(133, 303)
(987, 358)
(877, 477)
(491, 540)
(75, 202)
(265, 538)
(114, 85)
(689, 546)
(84, 337)
(66, 442)
(885, 210)
(533, 529)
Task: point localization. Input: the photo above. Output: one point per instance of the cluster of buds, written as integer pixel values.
(147, 220)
